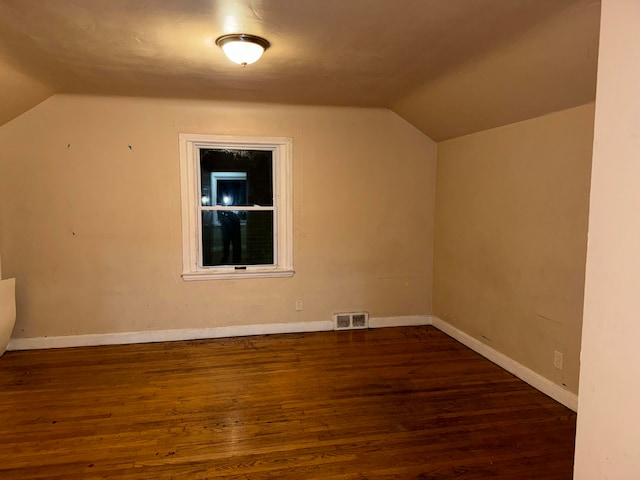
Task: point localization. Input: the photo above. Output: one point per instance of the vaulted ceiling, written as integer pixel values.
(450, 67)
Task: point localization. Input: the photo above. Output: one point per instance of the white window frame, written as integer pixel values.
(282, 161)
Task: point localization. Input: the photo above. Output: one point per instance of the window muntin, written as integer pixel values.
(237, 209)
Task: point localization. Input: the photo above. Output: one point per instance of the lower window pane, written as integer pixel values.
(237, 238)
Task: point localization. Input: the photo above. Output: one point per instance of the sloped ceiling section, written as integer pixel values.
(548, 68)
(20, 92)
(449, 67)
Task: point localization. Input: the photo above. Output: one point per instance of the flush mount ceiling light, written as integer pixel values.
(243, 48)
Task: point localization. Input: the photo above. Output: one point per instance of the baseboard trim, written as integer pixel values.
(537, 381)
(67, 341)
(404, 321)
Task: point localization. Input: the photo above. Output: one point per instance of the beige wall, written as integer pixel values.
(510, 238)
(92, 228)
(608, 436)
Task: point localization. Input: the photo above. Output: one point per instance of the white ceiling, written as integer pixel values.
(450, 67)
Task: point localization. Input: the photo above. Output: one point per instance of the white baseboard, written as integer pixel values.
(89, 340)
(166, 335)
(546, 386)
(405, 321)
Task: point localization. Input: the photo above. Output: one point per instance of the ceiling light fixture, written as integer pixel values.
(242, 48)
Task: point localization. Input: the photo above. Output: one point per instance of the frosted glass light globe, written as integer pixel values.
(242, 49)
(243, 53)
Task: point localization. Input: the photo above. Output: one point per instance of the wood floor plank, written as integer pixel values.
(407, 403)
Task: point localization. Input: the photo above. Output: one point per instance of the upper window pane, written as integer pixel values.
(236, 177)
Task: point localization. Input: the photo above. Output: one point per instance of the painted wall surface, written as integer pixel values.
(91, 215)
(608, 435)
(510, 238)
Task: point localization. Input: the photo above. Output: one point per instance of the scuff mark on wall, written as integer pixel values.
(549, 319)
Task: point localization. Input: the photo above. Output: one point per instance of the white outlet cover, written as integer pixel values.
(558, 359)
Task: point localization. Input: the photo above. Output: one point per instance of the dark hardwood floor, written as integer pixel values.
(405, 403)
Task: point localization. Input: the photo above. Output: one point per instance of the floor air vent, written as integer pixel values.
(350, 321)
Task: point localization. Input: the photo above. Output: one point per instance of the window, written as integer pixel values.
(236, 207)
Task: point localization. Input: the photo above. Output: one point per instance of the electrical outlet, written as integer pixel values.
(299, 305)
(558, 358)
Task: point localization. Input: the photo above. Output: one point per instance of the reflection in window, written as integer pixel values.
(236, 189)
(237, 207)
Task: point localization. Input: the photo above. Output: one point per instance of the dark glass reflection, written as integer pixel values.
(236, 177)
(231, 192)
(237, 238)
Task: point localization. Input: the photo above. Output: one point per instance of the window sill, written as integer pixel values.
(197, 276)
